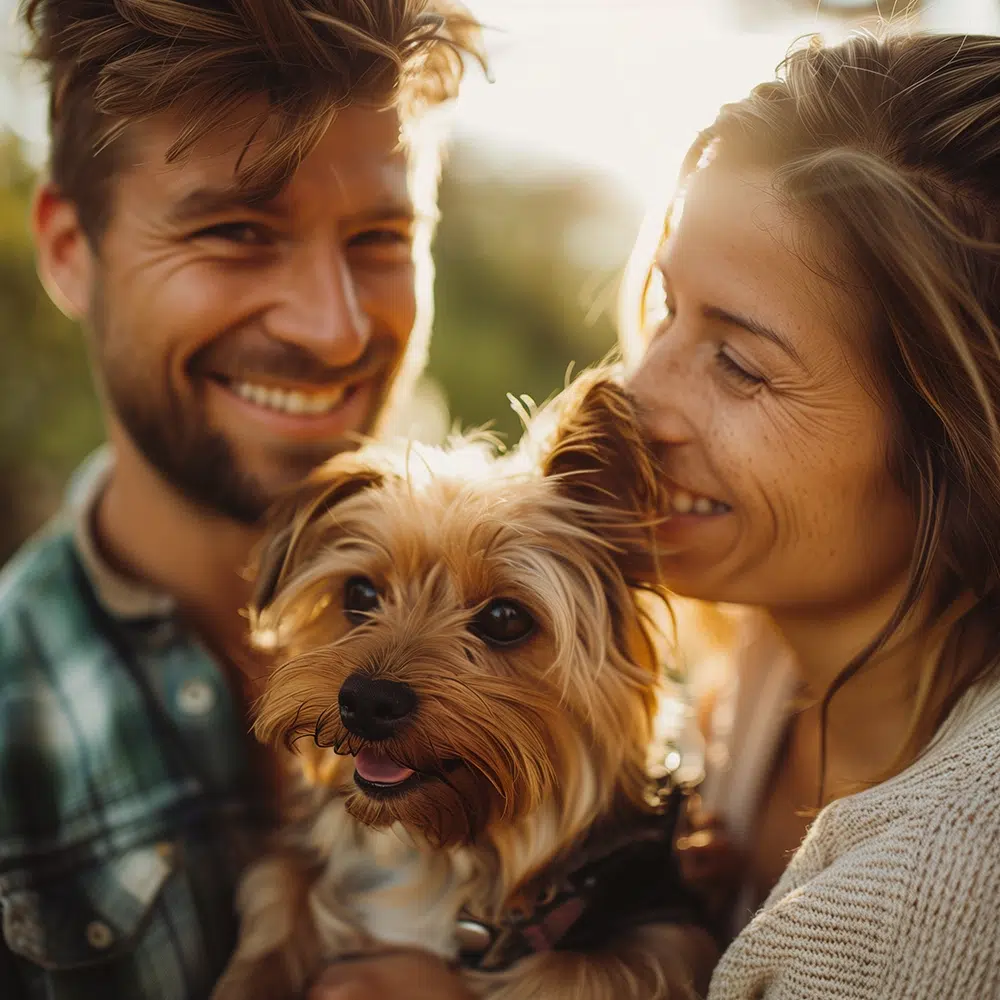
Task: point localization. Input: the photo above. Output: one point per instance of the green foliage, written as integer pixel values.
(527, 274)
(522, 258)
(48, 416)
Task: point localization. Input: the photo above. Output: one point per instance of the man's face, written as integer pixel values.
(240, 344)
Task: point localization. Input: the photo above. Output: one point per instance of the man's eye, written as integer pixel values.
(240, 233)
(380, 238)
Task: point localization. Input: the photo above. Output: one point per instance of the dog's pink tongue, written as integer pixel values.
(377, 767)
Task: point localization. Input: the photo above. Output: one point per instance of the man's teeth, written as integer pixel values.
(290, 401)
(683, 502)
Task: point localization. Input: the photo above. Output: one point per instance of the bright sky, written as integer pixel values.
(624, 85)
(617, 85)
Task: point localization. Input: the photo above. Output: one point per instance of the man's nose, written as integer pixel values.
(319, 308)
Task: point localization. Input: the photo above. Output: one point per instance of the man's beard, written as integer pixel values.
(198, 461)
(200, 464)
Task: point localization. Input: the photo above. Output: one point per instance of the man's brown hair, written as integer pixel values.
(113, 63)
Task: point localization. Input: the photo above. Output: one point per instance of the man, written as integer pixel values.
(239, 212)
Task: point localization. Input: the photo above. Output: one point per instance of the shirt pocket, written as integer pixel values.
(86, 916)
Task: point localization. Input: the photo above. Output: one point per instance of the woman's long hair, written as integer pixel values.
(890, 147)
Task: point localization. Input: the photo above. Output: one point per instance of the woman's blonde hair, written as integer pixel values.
(892, 146)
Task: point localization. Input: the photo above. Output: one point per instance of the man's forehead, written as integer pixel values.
(359, 162)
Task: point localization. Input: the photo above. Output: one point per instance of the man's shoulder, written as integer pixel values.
(42, 603)
(48, 636)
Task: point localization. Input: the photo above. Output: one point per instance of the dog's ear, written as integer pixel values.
(326, 487)
(605, 463)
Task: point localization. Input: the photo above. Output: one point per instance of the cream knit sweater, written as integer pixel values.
(895, 892)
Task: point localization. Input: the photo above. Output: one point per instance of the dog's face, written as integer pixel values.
(467, 635)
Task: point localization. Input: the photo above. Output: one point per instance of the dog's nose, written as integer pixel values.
(373, 708)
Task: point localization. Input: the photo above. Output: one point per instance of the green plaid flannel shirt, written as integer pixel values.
(128, 803)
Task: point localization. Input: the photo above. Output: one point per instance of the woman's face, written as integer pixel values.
(772, 437)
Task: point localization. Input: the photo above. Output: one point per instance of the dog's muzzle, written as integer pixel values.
(373, 708)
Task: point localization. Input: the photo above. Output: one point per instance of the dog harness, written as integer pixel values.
(607, 888)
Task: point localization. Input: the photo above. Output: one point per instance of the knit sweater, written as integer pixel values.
(895, 892)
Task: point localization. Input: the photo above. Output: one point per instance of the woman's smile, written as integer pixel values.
(752, 389)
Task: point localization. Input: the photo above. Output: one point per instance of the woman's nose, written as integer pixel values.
(662, 384)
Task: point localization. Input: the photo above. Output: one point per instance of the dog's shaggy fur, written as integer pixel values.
(518, 751)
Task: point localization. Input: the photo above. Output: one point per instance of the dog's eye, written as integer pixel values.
(360, 597)
(503, 622)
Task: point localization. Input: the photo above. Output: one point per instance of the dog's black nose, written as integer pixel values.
(373, 708)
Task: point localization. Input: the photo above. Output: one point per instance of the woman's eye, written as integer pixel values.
(240, 233)
(361, 597)
(736, 371)
(502, 622)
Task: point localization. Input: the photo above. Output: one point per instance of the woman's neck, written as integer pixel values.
(870, 716)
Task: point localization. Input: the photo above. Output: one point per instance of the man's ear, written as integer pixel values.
(329, 485)
(604, 462)
(66, 264)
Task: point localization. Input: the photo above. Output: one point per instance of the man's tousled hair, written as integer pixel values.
(113, 63)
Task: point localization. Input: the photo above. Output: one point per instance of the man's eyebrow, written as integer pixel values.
(753, 326)
(207, 201)
(387, 211)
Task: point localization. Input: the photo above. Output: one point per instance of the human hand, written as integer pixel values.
(397, 975)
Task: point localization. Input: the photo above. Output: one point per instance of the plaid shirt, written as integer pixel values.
(128, 803)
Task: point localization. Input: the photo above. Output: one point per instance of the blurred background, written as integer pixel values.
(551, 164)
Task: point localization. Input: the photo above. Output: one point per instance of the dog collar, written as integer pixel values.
(607, 888)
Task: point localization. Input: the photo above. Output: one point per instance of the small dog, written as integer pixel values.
(465, 649)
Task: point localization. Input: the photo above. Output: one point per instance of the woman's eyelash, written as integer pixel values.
(660, 310)
(736, 370)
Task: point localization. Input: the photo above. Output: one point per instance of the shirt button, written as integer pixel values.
(195, 697)
(99, 935)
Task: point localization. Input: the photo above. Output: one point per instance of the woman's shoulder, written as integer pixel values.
(892, 887)
(949, 795)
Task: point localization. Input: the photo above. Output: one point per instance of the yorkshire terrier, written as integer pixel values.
(469, 669)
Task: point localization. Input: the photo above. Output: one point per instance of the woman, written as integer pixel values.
(824, 387)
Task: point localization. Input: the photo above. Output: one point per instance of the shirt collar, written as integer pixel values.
(120, 595)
